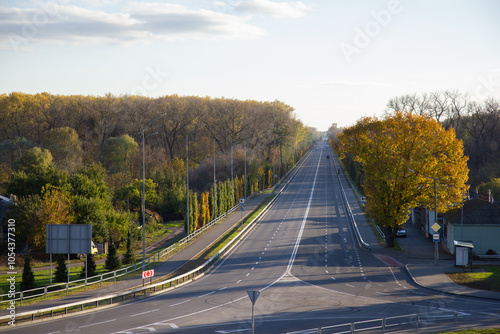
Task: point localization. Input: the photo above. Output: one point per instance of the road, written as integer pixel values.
(303, 258)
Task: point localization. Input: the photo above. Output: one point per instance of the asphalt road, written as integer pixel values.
(303, 258)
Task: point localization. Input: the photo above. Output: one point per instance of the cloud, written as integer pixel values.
(275, 9)
(360, 83)
(61, 24)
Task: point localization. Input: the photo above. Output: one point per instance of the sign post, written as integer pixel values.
(253, 295)
(148, 273)
(435, 238)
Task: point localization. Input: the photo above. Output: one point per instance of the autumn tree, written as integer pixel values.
(396, 153)
(65, 147)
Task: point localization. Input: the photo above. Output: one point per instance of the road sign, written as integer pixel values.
(148, 273)
(253, 295)
(435, 237)
(436, 227)
(242, 201)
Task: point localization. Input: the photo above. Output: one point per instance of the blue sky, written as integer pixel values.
(333, 61)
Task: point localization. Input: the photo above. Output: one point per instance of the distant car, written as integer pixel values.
(401, 233)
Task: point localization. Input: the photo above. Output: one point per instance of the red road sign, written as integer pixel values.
(148, 273)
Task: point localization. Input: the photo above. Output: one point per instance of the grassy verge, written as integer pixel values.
(476, 331)
(489, 280)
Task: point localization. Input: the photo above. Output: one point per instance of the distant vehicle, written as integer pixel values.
(401, 233)
(94, 249)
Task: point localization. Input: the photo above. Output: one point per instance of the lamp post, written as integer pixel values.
(144, 193)
(187, 175)
(436, 253)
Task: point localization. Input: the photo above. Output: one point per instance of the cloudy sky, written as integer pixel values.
(332, 60)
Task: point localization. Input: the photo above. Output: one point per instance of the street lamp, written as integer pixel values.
(187, 175)
(144, 193)
(436, 253)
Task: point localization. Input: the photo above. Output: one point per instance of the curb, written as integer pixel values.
(446, 292)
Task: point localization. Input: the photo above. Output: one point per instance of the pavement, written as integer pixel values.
(163, 269)
(417, 256)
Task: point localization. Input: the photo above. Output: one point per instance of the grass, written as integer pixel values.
(42, 277)
(475, 331)
(489, 280)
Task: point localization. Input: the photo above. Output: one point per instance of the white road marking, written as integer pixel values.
(179, 303)
(135, 315)
(98, 323)
(207, 294)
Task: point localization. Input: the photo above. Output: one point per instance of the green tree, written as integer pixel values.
(129, 254)
(395, 153)
(117, 151)
(61, 274)
(65, 147)
(28, 280)
(33, 158)
(91, 271)
(112, 260)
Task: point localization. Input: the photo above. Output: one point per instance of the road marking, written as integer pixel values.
(248, 274)
(349, 285)
(301, 231)
(224, 288)
(135, 315)
(232, 331)
(184, 301)
(238, 281)
(98, 323)
(207, 294)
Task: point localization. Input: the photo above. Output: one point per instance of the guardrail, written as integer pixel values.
(167, 284)
(117, 274)
(359, 238)
(397, 323)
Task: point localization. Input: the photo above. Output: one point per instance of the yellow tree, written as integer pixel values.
(396, 153)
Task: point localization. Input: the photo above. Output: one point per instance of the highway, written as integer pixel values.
(304, 259)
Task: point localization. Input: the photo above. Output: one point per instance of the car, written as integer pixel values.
(401, 233)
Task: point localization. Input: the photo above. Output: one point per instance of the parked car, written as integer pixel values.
(401, 233)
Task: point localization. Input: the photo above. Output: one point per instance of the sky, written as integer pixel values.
(333, 61)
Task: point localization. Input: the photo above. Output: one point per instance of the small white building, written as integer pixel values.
(480, 225)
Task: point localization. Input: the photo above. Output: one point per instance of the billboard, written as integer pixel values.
(68, 239)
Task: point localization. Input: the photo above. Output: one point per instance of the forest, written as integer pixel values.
(476, 124)
(79, 159)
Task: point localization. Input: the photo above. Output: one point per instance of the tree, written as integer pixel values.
(112, 260)
(61, 274)
(65, 147)
(116, 153)
(33, 158)
(28, 281)
(91, 271)
(129, 255)
(396, 153)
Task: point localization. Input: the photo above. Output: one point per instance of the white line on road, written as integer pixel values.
(98, 323)
(207, 294)
(135, 315)
(184, 301)
(349, 285)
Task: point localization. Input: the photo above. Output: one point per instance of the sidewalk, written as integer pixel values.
(171, 265)
(418, 257)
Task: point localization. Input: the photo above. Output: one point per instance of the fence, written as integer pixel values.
(117, 274)
(167, 284)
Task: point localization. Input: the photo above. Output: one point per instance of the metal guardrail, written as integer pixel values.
(388, 324)
(361, 242)
(114, 275)
(167, 284)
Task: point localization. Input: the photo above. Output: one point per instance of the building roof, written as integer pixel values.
(476, 212)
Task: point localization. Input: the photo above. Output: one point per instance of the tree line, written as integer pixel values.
(79, 159)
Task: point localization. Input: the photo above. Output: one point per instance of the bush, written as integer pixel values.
(112, 260)
(61, 274)
(91, 271)
(28, 281)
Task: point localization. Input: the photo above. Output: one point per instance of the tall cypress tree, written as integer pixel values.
(91, 271)
(61, 274)
(129, 255)
(112, 260)
(28, 281)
